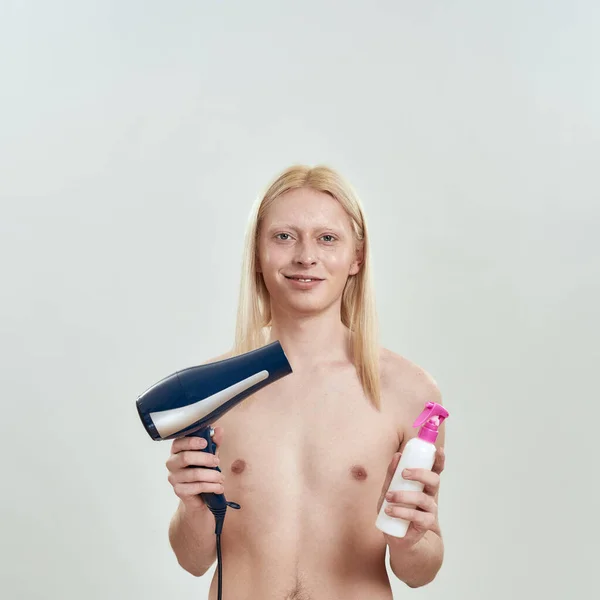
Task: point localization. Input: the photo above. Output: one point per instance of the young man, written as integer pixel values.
(309, 458)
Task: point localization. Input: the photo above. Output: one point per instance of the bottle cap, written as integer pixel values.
(429, 420)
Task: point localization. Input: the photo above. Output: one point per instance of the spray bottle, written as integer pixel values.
(419, 453)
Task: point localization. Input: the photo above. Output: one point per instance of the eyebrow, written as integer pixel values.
(317, 228)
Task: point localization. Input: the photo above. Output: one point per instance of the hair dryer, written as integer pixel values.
(186, 402)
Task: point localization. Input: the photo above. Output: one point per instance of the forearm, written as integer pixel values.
(418, 565)
(192, 537)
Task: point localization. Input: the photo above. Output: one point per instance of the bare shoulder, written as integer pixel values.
(405, 389)
(405, 383)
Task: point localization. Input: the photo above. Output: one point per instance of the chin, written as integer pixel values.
(306, 305)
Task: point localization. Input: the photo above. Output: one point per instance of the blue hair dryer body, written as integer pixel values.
(186, 402)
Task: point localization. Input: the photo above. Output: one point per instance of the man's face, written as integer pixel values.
(306, 235)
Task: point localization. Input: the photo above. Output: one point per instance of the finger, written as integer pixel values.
(187, 443)
(394, 463)
(218, 435)
(440, 460)
(388, 477)
(428, 478)
(412, 500)
(391, 470)
(217, 438)
(189, 458)
(193, 475)
(422, 521)
(185, 490)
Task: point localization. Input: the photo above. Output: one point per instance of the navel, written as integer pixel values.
(358, 472)
(238, 466)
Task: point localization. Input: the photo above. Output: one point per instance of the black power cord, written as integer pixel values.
(219, 515)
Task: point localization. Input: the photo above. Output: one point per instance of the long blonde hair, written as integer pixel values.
(358, 311)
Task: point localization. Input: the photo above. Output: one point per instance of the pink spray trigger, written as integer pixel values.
(429, 420)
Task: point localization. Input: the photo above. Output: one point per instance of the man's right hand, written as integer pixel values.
(189, 469)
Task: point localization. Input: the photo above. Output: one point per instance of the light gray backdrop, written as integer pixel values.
(135, 136)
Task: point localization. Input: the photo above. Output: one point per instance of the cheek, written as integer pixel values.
(262, 252)
(270, 258)
(338, 262)
(264, 258)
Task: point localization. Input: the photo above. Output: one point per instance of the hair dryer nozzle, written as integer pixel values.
(189, 400)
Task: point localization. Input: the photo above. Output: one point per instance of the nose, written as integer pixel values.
(306, 254)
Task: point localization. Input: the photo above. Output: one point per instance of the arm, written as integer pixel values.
(192, 537)
(418, 564)
(417, 558)
(192, 527)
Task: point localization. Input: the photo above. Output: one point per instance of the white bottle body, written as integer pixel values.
(418, 454)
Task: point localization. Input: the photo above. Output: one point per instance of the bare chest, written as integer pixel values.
(306, 462)
(299, 444)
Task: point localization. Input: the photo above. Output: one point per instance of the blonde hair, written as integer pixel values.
(358, 311)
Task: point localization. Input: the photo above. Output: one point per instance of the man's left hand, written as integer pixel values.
(420, 508)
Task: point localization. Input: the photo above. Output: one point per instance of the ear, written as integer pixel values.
(358, 259)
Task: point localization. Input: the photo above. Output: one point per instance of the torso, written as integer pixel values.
(306, 459)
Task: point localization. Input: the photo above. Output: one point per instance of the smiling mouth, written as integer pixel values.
(303, 279)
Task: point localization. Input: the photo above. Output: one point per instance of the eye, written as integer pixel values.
(287, 236)
(328, 235)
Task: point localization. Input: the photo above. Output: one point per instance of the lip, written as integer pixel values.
(295, 276)
(303, 285)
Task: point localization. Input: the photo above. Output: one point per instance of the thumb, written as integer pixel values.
(217, 438)
(391, 470)
(388, 478)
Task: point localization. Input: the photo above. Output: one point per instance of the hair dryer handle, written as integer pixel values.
(215, 502)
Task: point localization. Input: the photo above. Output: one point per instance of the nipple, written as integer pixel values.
(358, 472)
(238, 466)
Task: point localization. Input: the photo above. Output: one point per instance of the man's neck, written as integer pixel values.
(313, 340)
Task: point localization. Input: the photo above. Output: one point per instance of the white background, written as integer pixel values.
(134, 137)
